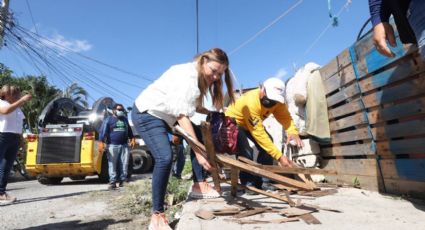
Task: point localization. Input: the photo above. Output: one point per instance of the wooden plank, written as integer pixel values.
(344, 94)
(406, 146)
(406, 169)
(280, 169)
(353, 120)
(410, 128)
(310, 219)
(336, 64)
(234, 177)
(349, 150)
(209, 147)
(353, 106)
(387, 95)
(354, 135)
(405, 187)
(341, 79)
(269, 194)
(403, 70)
(251, 212)
(261, 172)
(409, 108)
(355, 167)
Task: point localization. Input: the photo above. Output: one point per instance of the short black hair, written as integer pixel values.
(116, 106)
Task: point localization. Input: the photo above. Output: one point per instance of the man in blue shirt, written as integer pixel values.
(409, 18)
(115, 132)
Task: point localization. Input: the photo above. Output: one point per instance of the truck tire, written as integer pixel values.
(49, 180)
(142, 161)
(77, 177)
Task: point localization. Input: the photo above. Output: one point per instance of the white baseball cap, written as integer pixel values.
(275, 89)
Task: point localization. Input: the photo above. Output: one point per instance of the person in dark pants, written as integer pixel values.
(249, 112)
(178, 149)
(410, 20)
(175, 96)
(116, 132)
(11, 124)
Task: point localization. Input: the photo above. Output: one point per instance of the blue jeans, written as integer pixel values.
(246, 151)
(154, 132)
(9, 145)
(117, 162)
(417, 22)
(180, 159)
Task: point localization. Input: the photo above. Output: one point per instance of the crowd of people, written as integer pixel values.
(168, 101)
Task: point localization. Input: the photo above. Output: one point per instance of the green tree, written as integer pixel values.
(77, 93)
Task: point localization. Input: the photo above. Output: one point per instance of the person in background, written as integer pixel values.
(175, 96)
(116, 132)
(410, 20)
(11, 125)
(178, 149)
(249, 112)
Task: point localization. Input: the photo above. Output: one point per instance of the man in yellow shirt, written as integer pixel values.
(249, 111)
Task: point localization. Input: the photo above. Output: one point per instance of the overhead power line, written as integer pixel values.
(266, 27)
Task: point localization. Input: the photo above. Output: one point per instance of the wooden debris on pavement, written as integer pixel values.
(273, 221)
(204, 214)
(309, 219)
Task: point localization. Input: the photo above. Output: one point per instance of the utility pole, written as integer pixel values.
(4, 10)
(197, 27)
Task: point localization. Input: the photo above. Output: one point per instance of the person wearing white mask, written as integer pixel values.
(115, 132)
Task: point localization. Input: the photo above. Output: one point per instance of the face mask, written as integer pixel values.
(266, 102)
(120, 113)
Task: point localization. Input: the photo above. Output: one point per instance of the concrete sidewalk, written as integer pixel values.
(361, 209)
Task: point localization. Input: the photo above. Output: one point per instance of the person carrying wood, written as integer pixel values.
(249, 112)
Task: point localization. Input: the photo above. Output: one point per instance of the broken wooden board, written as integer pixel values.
(280, 169)
(264, 173)
(252, 212)
(318, 193)
(296, 211)
(204, 214)
(310, 219)
(209, 147)
(273, 221)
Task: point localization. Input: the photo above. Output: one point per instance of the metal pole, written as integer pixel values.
(3, 15)
(197, 27)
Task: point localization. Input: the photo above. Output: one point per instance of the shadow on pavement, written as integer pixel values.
(77, 224)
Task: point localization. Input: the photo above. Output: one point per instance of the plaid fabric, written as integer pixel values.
(224, 132)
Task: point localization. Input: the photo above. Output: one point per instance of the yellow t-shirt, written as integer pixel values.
(250, 114)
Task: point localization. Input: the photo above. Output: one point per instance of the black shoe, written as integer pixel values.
(268, 187)
(112, 186)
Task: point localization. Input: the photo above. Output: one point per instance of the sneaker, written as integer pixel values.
(112, 186)
(159, 222)
(6, 198)
(202, 190)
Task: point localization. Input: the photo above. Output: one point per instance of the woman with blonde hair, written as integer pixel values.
(11, 123)
(174, 97)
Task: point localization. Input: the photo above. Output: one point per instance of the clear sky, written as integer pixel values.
(145, 37)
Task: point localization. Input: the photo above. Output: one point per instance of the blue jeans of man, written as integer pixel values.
(9, 145)
(245, 150)
(417, 22)
(117, 162)
(180, 159)
(154, 132)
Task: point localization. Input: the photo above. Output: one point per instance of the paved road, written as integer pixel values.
(68, 205)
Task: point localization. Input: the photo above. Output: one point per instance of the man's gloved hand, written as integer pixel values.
(132, 143)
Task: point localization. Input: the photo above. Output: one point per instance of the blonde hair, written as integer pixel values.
(9, 90)
(215, 89)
